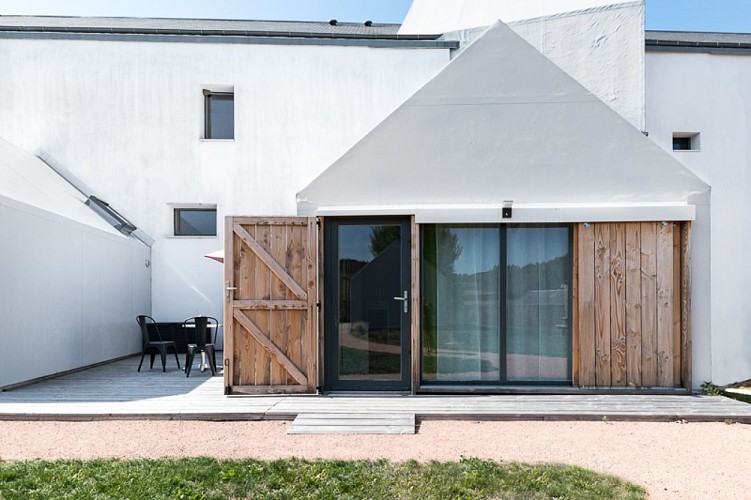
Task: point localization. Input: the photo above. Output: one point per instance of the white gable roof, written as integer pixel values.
(502, 122)
(26, 181)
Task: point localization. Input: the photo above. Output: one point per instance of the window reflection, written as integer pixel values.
(369, 317)
(495, 303)
(461, 303)
(538, 327)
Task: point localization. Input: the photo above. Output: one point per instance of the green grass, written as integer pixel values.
(744, 398)
(199, 478)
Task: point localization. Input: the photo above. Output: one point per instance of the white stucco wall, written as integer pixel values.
(599, 43)
(441, 16)
(70, 293)
(127, 118)
(709, 94)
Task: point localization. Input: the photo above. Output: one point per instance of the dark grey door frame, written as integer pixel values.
(331, 307)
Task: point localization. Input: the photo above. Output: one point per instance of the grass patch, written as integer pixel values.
(744, 398)
(207, 478)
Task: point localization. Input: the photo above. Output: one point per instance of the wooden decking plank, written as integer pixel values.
(117, 391)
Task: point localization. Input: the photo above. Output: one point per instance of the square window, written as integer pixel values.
(195, 222)
(683, 141)
(219, 115)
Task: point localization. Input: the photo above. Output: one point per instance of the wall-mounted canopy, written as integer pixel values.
(500, 123)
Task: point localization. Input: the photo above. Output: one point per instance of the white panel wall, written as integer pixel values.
(709, 94)
(441, 16)
(601, 47)
(69, 294)
(127, 118)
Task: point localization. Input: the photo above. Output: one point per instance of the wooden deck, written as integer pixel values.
(117, 391)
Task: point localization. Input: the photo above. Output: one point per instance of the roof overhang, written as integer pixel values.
(522, 213)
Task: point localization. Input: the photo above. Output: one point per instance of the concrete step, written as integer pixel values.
(353, 423)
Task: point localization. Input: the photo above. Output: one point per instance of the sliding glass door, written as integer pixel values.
(496, 304)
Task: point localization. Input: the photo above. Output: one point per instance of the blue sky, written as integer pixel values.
(690, 15)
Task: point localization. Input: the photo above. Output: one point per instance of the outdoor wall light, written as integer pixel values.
(506, 210)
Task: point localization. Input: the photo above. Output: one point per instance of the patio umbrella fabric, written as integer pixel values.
(217, 255)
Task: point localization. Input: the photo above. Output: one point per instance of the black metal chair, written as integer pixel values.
(198, 332)
(153, 347)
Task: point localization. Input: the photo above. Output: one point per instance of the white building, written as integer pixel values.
(699, 107)
(123, 104)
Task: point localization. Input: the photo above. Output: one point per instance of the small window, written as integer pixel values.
(195, 222)
(683, 141)
(219, 115)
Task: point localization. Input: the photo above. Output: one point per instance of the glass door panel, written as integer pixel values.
(538, 322)
(461, 303)
(496, 304)
(367, 316)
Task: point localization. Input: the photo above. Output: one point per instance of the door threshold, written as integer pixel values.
(370, 394)
(548, 390)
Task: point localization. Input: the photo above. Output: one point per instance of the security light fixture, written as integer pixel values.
(506, 210)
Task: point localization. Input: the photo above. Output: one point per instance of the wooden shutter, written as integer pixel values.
(270, 314)
(633, 305)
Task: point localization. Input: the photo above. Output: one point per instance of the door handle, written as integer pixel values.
(405, 300)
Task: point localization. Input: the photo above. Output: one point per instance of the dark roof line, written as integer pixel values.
(206, 27)
(203, 32)
(697, 41)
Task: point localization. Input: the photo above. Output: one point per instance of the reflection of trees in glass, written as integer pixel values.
(383, 236)
(537, 311)
(551, 274)
(347, 269)
(441, 249)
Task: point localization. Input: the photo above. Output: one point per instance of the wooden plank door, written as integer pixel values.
(270, 313)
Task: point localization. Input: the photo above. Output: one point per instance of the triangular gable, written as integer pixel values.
(501, 122)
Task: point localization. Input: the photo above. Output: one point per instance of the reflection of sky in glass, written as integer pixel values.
(480, 245)
(222, 109)
(196, 222)
(354, 242)
(480, 249)
(530, 245)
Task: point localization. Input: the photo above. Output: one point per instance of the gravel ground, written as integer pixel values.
(672, 460)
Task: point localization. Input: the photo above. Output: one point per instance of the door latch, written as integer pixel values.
(229, 289)
(405, 300)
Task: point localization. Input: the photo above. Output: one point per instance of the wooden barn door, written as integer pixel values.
(270, 314)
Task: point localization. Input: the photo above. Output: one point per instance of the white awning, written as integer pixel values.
(502, 123)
